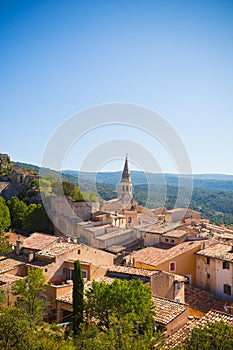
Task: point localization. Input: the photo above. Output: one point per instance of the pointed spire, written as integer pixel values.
(126, 173)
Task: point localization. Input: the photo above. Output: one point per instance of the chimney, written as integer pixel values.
(19, 245)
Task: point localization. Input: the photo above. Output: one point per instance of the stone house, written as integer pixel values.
(12, 269)
(179, 259)
(174, 237)
(152, 233)
(35, 242)
(170, 315)
(214, 270)
(162, 284)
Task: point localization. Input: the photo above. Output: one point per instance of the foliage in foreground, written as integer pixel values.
(5, 219)
(217, 336)
(17, 333)
(119, 299)
(28, 294)
(78, 298)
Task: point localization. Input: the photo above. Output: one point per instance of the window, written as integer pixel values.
(45, 270)
(166, 239)
(173, 241)
(208, 260)
(172, 266)
(208, 275)
(84, 274)
(227, 289)
(225, 265)
(129, 219)
(79, 251)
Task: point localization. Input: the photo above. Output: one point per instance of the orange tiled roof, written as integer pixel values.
(175, 233)
(167, 310)
(219, 251)
(154, 256)
(13, 237)
(57, 249)
(132, 271)
(8, 279)
(7, 264)
(38, 241)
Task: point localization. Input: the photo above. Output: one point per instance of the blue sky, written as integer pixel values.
(176, 57)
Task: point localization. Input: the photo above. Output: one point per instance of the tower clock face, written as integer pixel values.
(127, 198)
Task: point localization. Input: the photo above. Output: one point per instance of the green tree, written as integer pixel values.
(2, 296)
(78, 298)
(122, 335)
(90, 196)
(28, 291)
(36, 219)
(18, 211)
(17, 333)
(5, 246)
(50, 337)
(217, 336)
(67, 189)
(15, 329)
(5, 219)
(119, 299)
(45, 186)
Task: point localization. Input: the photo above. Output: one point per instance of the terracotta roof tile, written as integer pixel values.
(8, 279)
(38, 241)
(219, 251)
(8, 264)
(132, 271)
(57, 249)
(154, 256)
(167, 310)
(175, 233)
(202, 300)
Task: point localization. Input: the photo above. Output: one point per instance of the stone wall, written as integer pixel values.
(10, 189)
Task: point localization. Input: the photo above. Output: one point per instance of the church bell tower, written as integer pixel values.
(126, 186)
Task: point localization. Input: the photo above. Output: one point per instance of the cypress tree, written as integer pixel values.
(78, 298)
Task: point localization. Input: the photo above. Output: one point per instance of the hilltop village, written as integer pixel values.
(186, 261)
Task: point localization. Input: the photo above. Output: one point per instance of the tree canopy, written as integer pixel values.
(120, 299)
(36, 219)
(78, 297)
(217, 336)
(5, 219)
(28, 292)
(68, 189)
(18, 210)
(5, 246)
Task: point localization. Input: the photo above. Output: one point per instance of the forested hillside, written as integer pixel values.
(212, 193)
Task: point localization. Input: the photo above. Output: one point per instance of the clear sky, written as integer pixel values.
(173, 56)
